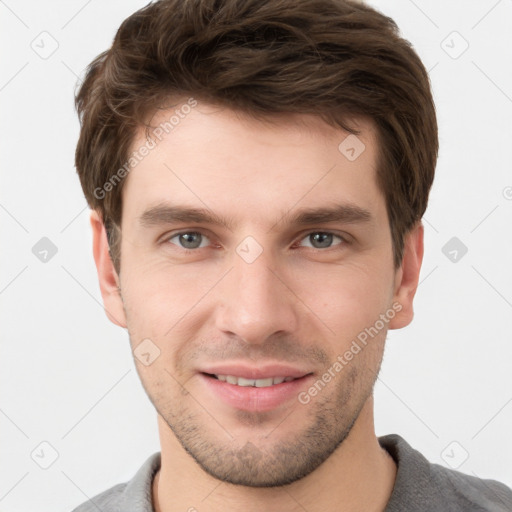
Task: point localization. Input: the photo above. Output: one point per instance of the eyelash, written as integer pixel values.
(344, 239)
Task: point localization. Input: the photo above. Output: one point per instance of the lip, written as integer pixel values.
(250, 398)
(261, 372)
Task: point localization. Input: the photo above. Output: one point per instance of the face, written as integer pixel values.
(251, 253)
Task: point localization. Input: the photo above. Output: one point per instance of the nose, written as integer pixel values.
(256, 301)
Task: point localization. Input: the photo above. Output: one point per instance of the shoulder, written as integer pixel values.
(135, 495)
(106, 501)
(422, 485)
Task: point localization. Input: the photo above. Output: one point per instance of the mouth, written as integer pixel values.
(244, 382)
(254, 390)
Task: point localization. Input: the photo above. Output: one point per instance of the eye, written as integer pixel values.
(189, 240)
(321, 240)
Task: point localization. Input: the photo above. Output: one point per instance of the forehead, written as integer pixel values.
(216, 158)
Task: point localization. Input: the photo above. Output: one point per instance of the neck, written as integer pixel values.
(359, 475)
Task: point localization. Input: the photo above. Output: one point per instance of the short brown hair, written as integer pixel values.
(338, 59)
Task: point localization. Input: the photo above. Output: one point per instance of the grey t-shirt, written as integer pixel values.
(419, 487)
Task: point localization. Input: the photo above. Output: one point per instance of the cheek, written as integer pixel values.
(347, 299)
(157, 294)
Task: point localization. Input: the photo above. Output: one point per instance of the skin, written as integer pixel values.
(296, 303)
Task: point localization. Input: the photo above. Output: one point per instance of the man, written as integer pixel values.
(257, 172)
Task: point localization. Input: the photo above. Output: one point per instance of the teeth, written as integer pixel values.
(259, 383)
(245, 382)
(263, 383)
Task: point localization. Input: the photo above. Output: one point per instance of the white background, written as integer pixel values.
(67, 375)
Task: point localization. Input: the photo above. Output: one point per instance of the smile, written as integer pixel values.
(258, 383)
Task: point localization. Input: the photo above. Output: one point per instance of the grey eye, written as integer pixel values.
(321, 240)
(190, 240)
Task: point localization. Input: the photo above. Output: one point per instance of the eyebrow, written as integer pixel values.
(346, 213)
(169, 214)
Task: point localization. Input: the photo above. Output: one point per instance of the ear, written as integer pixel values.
(107, 275)
(407, 276)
